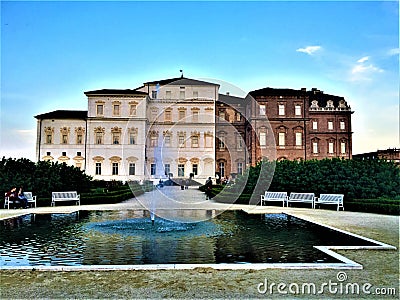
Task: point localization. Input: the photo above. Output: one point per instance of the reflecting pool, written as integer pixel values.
(130, 238)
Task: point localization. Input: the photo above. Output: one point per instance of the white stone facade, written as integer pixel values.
(153, 132)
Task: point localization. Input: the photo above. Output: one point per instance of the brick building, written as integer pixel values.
(281, 124)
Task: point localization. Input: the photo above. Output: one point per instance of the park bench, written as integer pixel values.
(28, 195)
(333, 199)
(65, 196)
(274, 197)
(302, 198)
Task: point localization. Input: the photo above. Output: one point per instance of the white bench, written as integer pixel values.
(275, 197)
(335, 199)
(31, 199)
(28, 195)
(302, 198)
(65, 196)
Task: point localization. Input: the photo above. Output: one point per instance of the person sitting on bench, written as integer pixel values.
(13, 196)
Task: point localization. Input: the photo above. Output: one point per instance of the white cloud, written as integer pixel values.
(363, 71)
(364, 59)
(310, 50)
(394, 51)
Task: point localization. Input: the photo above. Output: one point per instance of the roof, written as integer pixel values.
(323, 98)
(230, 99)
(275, 92)
(314, 94)
(115, 92)
(63, 114)
(180, 81)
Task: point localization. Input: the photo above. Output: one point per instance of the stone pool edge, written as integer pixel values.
(344, 264)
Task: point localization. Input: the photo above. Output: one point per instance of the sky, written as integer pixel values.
(52, 52)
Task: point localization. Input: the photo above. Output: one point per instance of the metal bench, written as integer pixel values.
(302, 198)
(274, 197)
(65, 196)
(31, 199)
(334, 199)
(28, 195)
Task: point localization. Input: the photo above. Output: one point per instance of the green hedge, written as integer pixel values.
(380, 206)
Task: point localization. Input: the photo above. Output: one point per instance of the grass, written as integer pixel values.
(381, 269)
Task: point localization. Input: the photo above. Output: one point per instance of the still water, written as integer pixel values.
(130, 238)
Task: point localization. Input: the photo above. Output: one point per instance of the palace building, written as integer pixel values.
(183, 128)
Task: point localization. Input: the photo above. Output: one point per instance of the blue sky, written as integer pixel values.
(51, 52)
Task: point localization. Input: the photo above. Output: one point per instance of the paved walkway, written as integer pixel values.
(166, 198)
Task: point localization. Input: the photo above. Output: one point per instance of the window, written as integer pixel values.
(100, 109)
(64, 139)
(299, 139)
(182, 114)
(99, 138)
(221, 166)
(208, 140)
(154, 94)
(281, 109)
(239, 142)
(195, 169)
(132, 110)
(167, 141)
(181, 170)
(116, 137)
(195, 94)
(315, 147)
(48, 153)
(240, 168)
(114, 168)
(262, 110)
(78, 153)
(330, 147)
(263, 139)
(132, 168)
(182, 95)
(64, 153)
(79, 139)
(116, 109)
(168, 94)
(314, 125)
(281, 139)
(132, 138)
(195, 116)
(238, 117)
(221, 141)
(297, 110)
(342, 125)
(167, 169)
(330, 125)
(195, 141)
(153, 141)
(49, 138)
(343, 147)
(181, 140)
(153, 169)
(221, 114)
(98, 168)
(168, 115)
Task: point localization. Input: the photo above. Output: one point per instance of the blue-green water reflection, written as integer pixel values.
(129, 237)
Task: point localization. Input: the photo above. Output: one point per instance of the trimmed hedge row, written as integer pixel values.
(380, 206)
